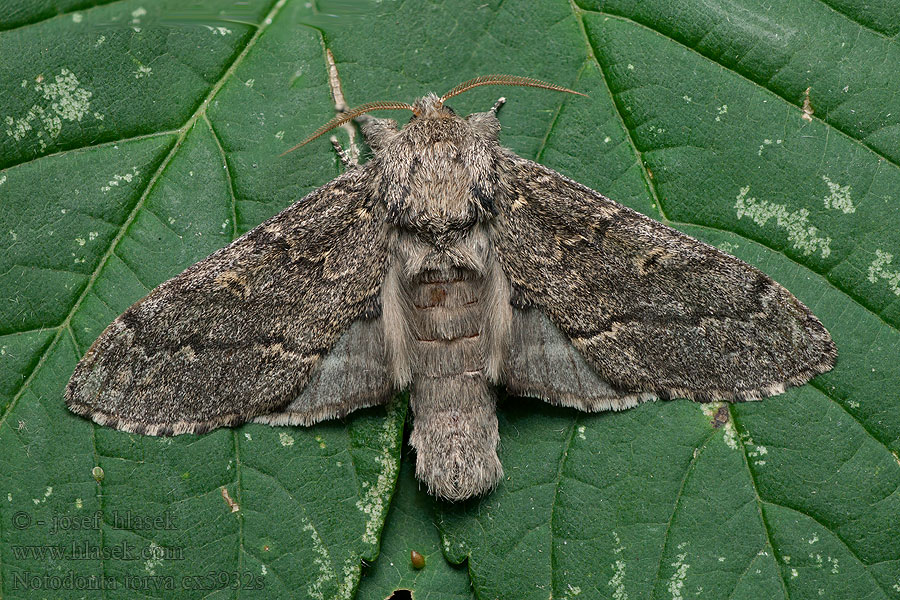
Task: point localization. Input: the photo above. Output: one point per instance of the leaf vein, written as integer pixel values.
(747, 78)
(677, 501)
(759, 503)
(648, 183)
(138, 206)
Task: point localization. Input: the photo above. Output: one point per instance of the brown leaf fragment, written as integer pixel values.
(721, 417)
(807, 107)
(229, 501)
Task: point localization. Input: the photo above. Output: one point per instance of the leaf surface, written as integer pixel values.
(136, 138)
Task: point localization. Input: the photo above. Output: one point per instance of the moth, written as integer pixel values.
(449, 266)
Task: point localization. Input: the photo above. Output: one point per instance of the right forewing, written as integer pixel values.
(649, 308)
(238, 334)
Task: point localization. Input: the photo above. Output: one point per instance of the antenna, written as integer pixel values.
(505, 80)
(351, 114)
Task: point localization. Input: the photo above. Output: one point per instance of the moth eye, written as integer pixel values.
(450, 110)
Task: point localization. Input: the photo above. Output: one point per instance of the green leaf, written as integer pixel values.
(135, 143)
(137, 137)
(793, 497)
(410, 526)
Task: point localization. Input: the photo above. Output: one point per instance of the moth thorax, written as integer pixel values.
(443, 202)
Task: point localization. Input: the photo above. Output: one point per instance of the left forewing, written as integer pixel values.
(238, 334)
(649, 308)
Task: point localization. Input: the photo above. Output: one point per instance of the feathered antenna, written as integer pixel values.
(351, 114)
(463, 87)
(505, 80)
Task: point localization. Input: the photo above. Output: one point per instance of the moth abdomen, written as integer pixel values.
(447, 319)
(448, 293)
(455, 434)
(455, 427)
(448, 298)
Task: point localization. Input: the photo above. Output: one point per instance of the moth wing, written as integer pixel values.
(651, 310)
(543, 363)
(353, 375)
(241, 333)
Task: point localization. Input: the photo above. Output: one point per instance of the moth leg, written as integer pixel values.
(351, 158)
(500, 102)
(348, 160)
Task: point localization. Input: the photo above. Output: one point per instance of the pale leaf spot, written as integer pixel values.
(879, 270)
(61, 100)
(322, 561)
(838, 197)
(617, 582)
(218, 30)
(721, 110)
(676, 581)
(373, 503)
(119, 179)
(156, 554)
(728, 247)
(800, 233)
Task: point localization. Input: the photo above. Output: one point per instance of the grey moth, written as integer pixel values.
(449, 266)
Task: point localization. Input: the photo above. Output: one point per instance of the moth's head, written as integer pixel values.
(432, 106)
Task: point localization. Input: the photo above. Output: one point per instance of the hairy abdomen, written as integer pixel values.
(450, 350)
(455, 423)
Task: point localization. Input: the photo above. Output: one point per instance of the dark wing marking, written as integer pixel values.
(649, 308)
(238, 334)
